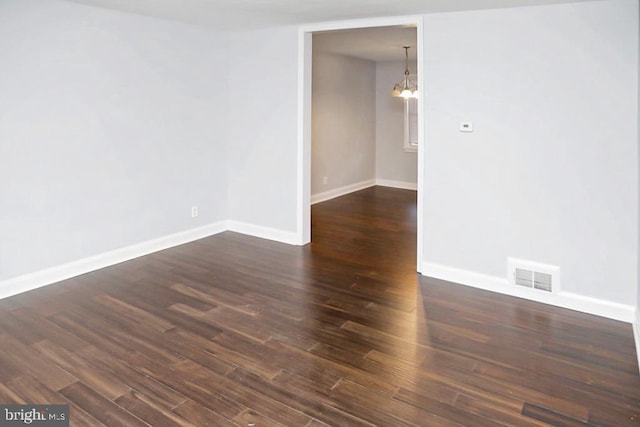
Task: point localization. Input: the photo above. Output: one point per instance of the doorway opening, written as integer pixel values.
(367, 29)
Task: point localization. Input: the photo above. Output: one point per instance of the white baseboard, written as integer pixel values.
(27, 282)
(337, 192)
(288, 237)
(397, 184)
(598, 307)
(55, 274)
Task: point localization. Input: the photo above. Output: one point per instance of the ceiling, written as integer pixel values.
(242, 14)
(374, 44)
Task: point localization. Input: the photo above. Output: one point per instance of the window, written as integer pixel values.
(411, 125)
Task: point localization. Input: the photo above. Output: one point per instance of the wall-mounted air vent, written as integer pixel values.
(533, 275)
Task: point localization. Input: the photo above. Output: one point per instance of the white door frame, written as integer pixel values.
(305, 32)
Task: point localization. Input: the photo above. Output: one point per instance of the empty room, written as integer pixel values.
(319, 213)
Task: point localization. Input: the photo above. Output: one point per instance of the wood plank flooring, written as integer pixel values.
(237, 331)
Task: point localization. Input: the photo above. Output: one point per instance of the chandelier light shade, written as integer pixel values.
(407, 88)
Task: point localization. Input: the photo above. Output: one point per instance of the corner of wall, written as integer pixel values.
(261, 232)
(341, 191)
(58, 273)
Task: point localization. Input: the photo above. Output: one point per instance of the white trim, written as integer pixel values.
(38, 279)
(303, 228)
(55, 274)
(341, 191)
(268, 233)
(598, 307)
(389, 21)
(303, 175)
(420, 210)
(404, 185)
(464, 277)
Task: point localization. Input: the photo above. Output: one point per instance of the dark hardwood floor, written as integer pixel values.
(234, 330)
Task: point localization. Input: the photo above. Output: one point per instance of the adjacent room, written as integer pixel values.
(231, 213)
(360, 130)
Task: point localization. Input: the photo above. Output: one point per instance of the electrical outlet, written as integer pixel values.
(325, 180)
(194, 211)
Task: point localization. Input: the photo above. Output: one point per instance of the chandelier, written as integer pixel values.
(408, 87)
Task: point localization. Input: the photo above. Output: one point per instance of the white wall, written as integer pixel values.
(357, 127)
(343, 121)
(111, 127)
(393, 163)
(263, 131)
(551, 171)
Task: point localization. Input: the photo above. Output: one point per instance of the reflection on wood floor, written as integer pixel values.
(234, 330)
